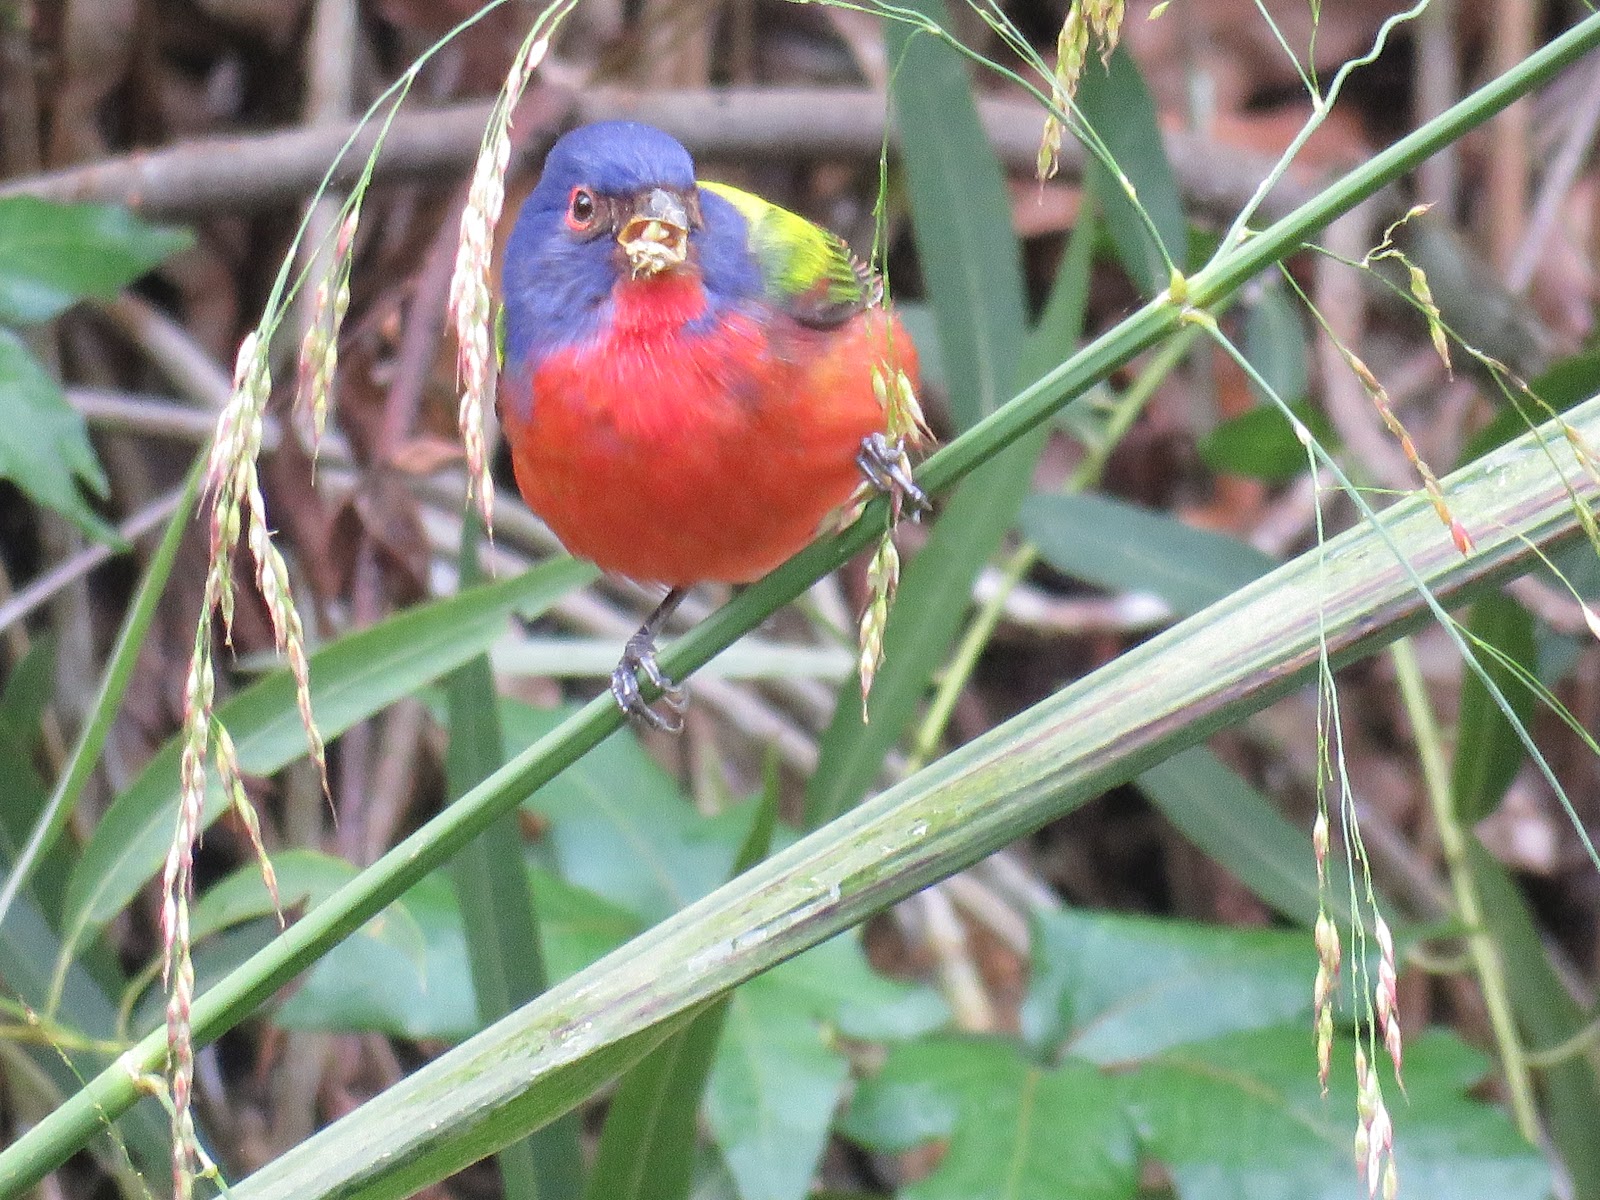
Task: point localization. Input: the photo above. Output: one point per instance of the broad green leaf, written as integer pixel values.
(1261, 444)
(779, 1071)
(44, 446)
(1113, 989)
(490, 877)
(1015, 1130)
(1117, 104)
(1243, 1116)
(621, 827)
(350, 680)
(53, 255)
(1488, 750)
(1119, 547)
(305, 878)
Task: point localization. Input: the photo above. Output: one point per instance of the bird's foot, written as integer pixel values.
(639, 658)
(886, 467)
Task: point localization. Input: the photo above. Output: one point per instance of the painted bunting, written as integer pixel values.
(687, 374)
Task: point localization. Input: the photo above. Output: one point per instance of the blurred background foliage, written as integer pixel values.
(1117, 1005)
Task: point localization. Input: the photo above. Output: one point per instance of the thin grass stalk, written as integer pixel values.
(1481, 948)
(47, 1144)
(119, 670)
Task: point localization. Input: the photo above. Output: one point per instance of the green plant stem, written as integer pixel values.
(112, 1092)
(124, 656)
(1485, 955)
(1169, 692)
(965, 660)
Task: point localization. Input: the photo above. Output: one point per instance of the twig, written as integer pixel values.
(78, 564)
(1569, 160)
(961, 983)
(264, 170)
(1511, 40)
(1438, 81)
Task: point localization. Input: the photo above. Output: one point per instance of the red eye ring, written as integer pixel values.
(581, 210)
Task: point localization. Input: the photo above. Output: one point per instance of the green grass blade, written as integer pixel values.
(961, 219)
(973, 271)
(491, 885)
(350, 680)
(86, 753)
(1117, 104)
(1237, 827)
(647, 1145)
(1488, 751)
(1548, 1016)
(1164, 695)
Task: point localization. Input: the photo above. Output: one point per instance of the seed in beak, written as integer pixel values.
(656, 237)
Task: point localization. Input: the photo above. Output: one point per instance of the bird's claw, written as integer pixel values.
(886, 467)
(639, 658)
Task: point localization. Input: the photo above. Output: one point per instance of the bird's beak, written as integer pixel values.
(656, 236)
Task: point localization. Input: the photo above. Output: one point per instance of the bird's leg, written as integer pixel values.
(886, 467)
(639, 658)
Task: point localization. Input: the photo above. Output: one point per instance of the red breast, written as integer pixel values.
(679, 455)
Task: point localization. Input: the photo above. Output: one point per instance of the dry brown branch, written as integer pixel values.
(235, 173)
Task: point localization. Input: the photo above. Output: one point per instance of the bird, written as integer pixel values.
(687, 384)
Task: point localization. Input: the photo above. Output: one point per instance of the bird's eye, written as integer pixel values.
(581, 210)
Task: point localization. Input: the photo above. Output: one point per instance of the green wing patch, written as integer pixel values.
(806, 269)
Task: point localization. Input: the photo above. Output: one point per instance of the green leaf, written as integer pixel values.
(937, 585)
(1015, 1130)
(779, 1071)
(1119, 547)
(1261, 444)
(53, 255)
(350, 680)
(406, 974)
(1117, 104)
(305, 879)
(961, 218)
(1547, 1016)
(44, 445)
(490, 878)
(28, 688)
(28, 945)
(1488, 750)
(621, 827)
(647, 1147)
(1243, 1116)
(1118, 989)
